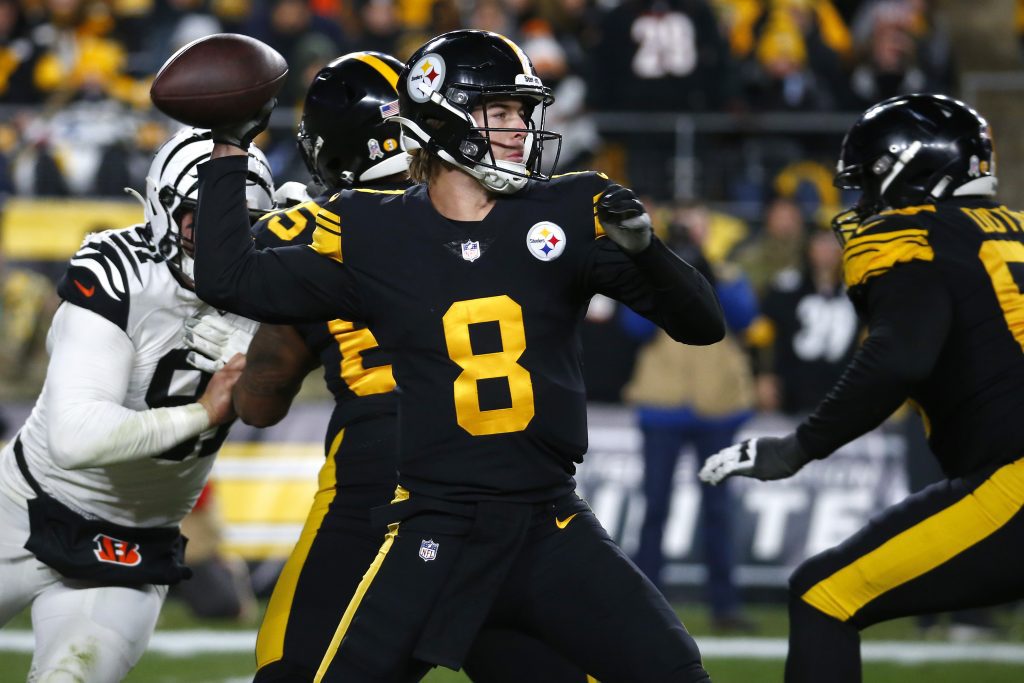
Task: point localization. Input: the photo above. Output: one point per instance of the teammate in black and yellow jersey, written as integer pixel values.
(475, 284)
(935, 265)
(348, 138)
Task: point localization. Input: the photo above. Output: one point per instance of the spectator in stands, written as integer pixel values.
(887, 56)
(818, 22)
(779, 76)
(27, 303)
(288, 24)
(18, 55)
(812, 330)
(662, 55)
(778, 247)
(659, 55)
(568, 113)
(699, 397)
(220, 587)
(493, 15)
(380, 27)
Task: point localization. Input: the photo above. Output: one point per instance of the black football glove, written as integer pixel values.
(624, 218)
(765, 458)
(241, 134)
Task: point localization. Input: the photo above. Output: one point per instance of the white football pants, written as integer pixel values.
(84, 632)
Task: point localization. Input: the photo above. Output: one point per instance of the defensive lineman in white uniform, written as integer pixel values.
(125, 429)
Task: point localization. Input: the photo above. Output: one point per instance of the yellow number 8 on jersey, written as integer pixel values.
(509, 316)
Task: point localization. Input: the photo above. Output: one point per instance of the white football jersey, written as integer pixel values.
(119, 275)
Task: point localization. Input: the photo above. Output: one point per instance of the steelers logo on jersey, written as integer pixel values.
(546, 241)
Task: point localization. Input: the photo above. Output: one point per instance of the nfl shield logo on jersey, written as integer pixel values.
(428, 549)
(471, 251)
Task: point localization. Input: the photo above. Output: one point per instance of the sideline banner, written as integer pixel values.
(777, 524)
(266, 480)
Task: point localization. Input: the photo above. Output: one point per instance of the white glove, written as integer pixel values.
(215, 339)
(624, 218)
(765, 458)
(291, 194)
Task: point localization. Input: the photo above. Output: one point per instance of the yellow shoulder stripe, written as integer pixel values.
(599, 174)
(908, 210)
(372, 191)
(327, 236)
(871, 255)
(598, 228)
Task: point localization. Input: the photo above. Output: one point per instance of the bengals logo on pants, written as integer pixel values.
(115, 551)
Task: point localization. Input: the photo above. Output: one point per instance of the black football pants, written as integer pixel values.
(569, 586)
(336, 546)
(954, 545)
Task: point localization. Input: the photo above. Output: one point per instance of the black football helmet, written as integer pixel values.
(451, 75)
(913, 149)
(348, 133)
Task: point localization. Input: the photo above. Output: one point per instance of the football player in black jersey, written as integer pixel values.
(934, 264)
(475, 282)
(348, 138)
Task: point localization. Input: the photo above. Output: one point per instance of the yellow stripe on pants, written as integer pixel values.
(924, 546)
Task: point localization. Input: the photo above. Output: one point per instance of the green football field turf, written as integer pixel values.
(237, 667)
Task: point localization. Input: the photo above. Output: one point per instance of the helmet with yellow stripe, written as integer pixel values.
(450, 76)
(348, 133)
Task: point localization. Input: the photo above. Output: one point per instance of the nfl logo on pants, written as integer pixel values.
(428, 549)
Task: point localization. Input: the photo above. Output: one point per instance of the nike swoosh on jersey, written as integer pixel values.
(87, 291)
(562, 523)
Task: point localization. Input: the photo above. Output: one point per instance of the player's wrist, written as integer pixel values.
(204, 408)
(227, 149)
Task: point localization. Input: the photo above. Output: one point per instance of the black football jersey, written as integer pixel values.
(354, 366)
(974, 396)
(480, 319)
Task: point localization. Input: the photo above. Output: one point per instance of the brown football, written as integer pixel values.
(220, 79)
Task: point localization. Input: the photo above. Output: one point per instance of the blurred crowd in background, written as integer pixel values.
(83, 67)
(725, 114)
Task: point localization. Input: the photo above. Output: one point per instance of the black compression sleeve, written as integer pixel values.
(686, 305)
(286, 285)
(909, 312)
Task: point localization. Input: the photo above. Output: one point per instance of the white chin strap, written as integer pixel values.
(390, 166)
(499, 180)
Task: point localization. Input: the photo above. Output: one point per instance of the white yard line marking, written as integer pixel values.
(190, 643)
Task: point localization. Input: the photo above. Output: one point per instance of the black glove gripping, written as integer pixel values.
(618, 203)
(242, 134)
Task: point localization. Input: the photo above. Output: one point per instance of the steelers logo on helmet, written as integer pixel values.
(546, 241)
(426, 77)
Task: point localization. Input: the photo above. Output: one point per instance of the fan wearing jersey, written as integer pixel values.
(121, 439)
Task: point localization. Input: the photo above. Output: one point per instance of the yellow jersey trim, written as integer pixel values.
(867, 256)
(372, 191)
(908, 210)
(327, 235)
